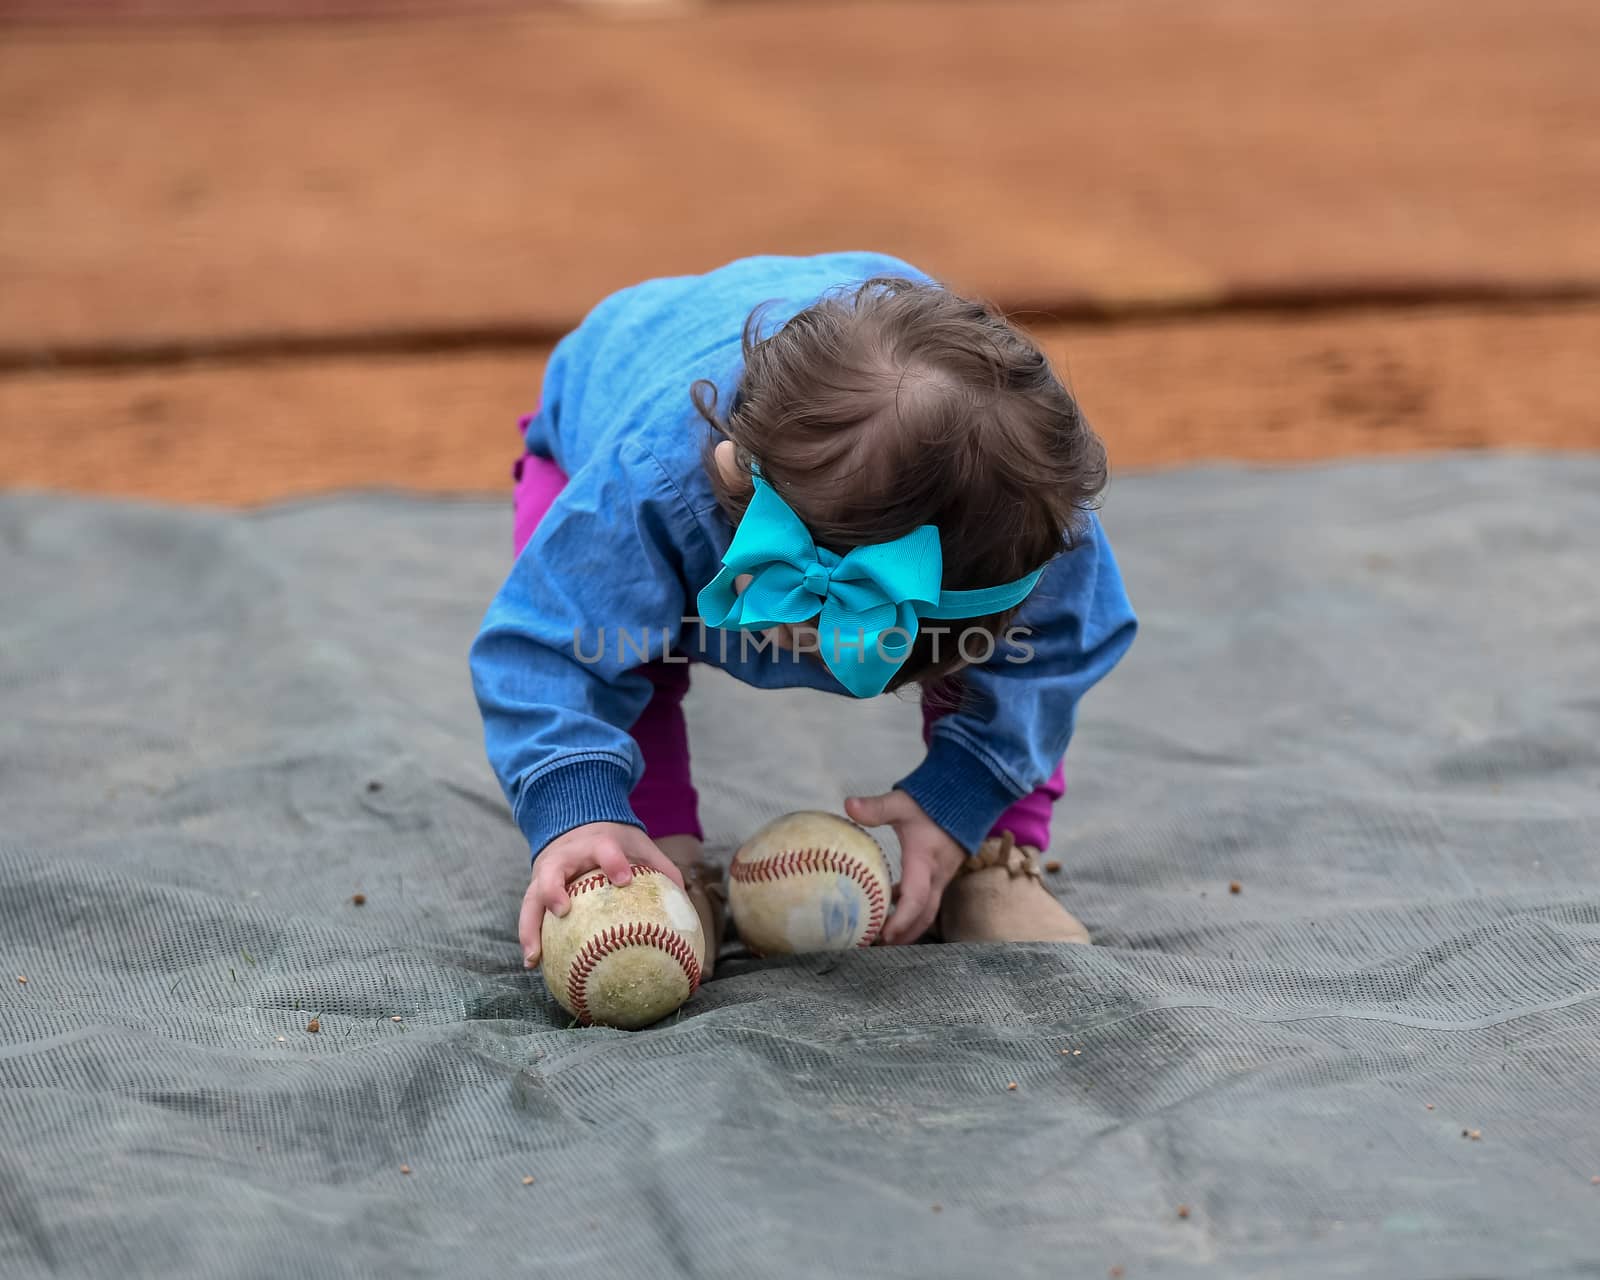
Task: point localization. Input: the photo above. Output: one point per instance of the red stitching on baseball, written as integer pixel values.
(594, 879)
(804, 861)
(617, 937)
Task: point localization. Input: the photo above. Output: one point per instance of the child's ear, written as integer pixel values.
(726, 456)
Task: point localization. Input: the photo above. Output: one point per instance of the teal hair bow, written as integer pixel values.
(867, 602)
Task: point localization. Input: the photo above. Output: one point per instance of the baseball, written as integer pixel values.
(809, 881)
(623, 955)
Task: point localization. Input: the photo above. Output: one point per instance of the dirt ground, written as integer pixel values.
(212, 227)
(1261, 389)
(200, 182)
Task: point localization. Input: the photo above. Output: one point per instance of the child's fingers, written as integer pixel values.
(551, 882)
(922, 922)
(614, 862)
(908, 922)
(878, 811)
(862, 809)
(653, 857)
(529, 923)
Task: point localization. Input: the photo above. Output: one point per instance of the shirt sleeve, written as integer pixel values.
(597, 592)
(1018, 708)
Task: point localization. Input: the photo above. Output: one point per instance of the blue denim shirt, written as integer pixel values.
(608, 578)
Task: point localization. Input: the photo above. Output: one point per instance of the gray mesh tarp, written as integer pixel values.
(1369, 694)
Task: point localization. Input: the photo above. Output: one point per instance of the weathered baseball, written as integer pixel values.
(624, 955)
(809, 881)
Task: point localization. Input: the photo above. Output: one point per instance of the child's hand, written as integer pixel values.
(929, 860)
(607, 846)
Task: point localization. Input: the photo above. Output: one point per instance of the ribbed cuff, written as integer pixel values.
(586, 791)
(958, 791)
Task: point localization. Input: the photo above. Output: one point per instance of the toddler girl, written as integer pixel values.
(828, 472)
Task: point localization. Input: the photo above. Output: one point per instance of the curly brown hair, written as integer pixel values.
(897, 403)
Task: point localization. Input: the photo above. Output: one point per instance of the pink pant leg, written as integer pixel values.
(1028, 818)
(538, 482)
(665, 798)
